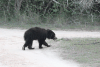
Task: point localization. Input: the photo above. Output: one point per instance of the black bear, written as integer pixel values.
(39, 34)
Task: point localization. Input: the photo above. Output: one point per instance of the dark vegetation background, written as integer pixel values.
(54, 12)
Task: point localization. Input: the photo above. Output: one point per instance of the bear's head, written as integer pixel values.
(51, 34)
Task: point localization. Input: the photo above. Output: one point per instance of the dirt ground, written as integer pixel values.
(12, 55)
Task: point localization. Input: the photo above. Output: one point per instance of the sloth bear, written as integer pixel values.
(40, 34)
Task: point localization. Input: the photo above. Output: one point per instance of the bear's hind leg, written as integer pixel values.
(40, 44)
(30, 45)
(25, 45)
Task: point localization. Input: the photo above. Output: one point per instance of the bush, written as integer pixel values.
(50, 11)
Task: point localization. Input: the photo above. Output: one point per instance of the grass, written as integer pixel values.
(56, 23)
(74, 27)
(85, 51)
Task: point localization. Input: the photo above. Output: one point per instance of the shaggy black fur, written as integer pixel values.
(39, 34)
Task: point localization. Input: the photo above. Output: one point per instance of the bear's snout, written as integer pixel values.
(54, 38)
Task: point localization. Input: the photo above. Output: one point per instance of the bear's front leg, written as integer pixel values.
(45, 43)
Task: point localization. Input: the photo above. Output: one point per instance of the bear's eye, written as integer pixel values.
(52, 36)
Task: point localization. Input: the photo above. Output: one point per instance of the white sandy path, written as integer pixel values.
(78, 34)
(11, 54)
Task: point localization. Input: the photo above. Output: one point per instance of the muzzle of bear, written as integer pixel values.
(55, 38)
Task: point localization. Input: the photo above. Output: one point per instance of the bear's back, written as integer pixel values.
(35, 33)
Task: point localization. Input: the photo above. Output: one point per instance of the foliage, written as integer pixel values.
(44, 9)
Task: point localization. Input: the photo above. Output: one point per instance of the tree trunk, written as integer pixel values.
(17, 6)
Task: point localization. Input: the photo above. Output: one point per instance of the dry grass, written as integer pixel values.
(85, 51)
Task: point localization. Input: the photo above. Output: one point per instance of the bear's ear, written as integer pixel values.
(48, 30)
(48, 33)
